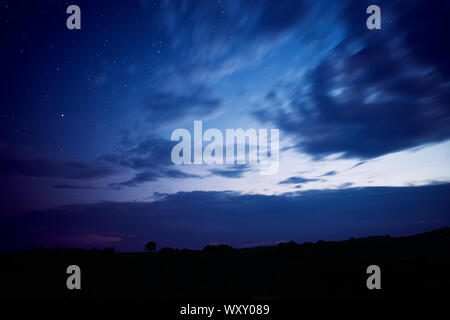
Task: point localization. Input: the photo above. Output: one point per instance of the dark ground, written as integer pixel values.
(411, 267)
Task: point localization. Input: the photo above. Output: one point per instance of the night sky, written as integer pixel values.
(86, 118)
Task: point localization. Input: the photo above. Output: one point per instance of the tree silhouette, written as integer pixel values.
(150, 246)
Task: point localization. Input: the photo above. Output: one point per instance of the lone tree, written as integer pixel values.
(150, 246)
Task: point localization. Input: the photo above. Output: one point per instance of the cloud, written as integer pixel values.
(295, 180)
(281, 15)
(76, 187)
(171, 106)
(201, 43)
(194, 219)
(225, 28)
(147, 176)
(375, 92)
(149, 152)
(46, 168)
(236, 171)
(150, 157)
(330, 173)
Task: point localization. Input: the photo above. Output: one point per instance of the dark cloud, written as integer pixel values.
(207, 41)
(378, 91)
(149, 156)
(281, 15)
(76, 187)
(46, 168)
(143, 153)
(345, 185)
(194, 219)
(235, 171)
(225, 27)
(295, 180)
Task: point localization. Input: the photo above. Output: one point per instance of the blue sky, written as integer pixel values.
(86, 115)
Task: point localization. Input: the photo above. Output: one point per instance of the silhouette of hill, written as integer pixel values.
(411, 267)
